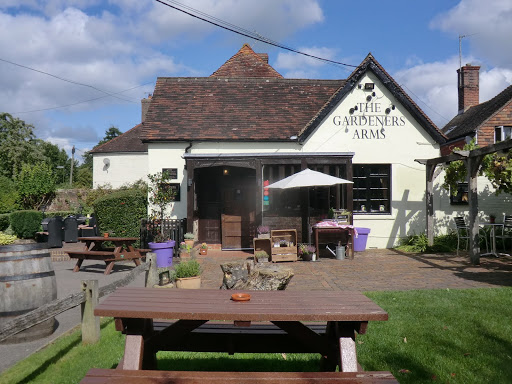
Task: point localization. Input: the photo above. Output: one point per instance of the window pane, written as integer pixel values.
(372, 184)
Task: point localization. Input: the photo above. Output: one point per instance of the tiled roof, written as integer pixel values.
(130, 141)
(250, 109)
(369, 63)
(247, 63)
(468, 122)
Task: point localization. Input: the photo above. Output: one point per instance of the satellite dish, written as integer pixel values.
(106, 162)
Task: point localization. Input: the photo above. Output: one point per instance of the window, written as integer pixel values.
(461, 197)
(502, 133)
(372, 188)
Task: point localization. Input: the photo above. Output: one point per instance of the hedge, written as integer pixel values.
(4, 222)
(25, 224)
(120, 213)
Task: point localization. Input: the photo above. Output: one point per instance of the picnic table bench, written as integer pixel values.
(323, 322)
(117, 376)
(93, 250)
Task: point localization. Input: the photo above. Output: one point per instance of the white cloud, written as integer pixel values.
(487, 27)
(112, 45)
(433, 86)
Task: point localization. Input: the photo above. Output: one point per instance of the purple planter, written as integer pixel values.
(360, 240)
(164, 253)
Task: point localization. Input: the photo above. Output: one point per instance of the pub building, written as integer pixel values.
(225, 137)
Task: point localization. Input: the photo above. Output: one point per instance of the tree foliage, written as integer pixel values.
(35, 185)
(110, 134)
(496, 167)
(18, 144)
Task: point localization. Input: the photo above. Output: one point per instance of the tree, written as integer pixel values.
(18, 144)
(160, 192)
(35, 185)
(84, 177)
(110, 134)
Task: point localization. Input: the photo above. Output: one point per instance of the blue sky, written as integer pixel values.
(122, 46)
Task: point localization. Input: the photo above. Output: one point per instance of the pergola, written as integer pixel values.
(473, 160)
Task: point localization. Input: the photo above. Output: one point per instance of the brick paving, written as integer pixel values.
(376, 270)
(371, 270)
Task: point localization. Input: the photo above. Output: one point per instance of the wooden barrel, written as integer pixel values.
(27, 281)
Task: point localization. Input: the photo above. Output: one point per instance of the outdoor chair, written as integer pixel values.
(505, 232)
(463, 233)
(70, 230)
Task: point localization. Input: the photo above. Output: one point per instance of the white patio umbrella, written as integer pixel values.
(308, 178)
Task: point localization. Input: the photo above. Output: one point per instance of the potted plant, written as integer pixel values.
(261, 256)
(184, 249)
(203, 250)
(263, 232)
(283, 243)
(189, 239)
(188, 274)
(492, 218)
(307, 252)
(161, 195)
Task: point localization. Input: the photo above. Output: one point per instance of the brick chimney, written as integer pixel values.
(468, 85)
(145, 107)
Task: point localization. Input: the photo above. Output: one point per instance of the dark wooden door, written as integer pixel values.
(238, 209)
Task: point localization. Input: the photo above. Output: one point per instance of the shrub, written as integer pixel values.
(120, 213)
(25, 224)
(189, 268)
(6, 239)
(8, 195)
(35, 185)
(419, 243)
(4, 222)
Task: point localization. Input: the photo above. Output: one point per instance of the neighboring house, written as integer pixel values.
(225, 137)
(489, 122)
(120, 161)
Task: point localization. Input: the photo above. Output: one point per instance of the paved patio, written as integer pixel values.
(375, 270)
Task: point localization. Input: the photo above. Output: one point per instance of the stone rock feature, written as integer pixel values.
(255, 276)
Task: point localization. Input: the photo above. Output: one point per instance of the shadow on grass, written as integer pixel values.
(495, 271)
(34, 374)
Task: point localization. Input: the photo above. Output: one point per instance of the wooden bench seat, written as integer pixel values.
(263, 337)
(117, 376)
(90, 254)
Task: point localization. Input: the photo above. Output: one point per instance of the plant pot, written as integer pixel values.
(189, 242)
(307, 256)
(164, 253)
(184, 254)
(264, 236)
(189, 282)
(203, 251)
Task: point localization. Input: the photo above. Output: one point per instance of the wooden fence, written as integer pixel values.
(88, 298)
(173, 229)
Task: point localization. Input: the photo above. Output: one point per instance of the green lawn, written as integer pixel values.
(455, 336)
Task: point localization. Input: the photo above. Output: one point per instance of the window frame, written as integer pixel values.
(368, 177)
(505, 132)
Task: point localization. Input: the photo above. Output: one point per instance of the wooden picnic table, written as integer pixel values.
(348, 229)
(271, 321)
(94, 250)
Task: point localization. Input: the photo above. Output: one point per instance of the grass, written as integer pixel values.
(445, 336)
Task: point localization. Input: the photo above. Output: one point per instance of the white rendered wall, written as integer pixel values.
(123, 168)
(402, 141)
